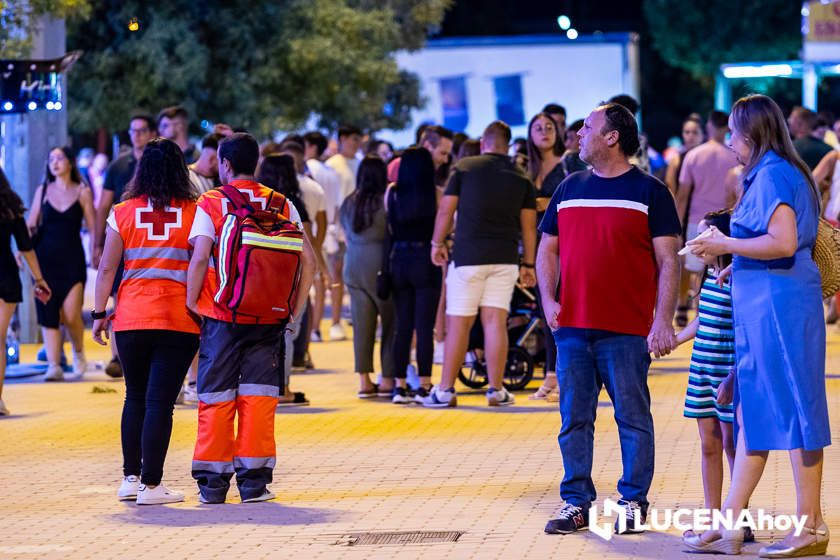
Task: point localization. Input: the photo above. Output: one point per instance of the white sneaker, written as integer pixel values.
(315, 336)
(79, 364)
(438, 356)
(337, 332)
(437, 398)
(128, 488)
(3, 410)
(499, 397)
(54, 373)
(190, 394)
(160, 494)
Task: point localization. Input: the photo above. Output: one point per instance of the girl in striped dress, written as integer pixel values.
(711, 374)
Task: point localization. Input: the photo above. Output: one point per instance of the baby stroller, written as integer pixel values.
(527, 345)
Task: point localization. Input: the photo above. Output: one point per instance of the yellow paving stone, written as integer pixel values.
(348, 466)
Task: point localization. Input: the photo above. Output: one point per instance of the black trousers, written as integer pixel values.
(416, 287)
(154, 364)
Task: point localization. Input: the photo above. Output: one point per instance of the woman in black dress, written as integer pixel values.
(11, 292)
(56, 216)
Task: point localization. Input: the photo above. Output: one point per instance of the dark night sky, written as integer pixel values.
(505, 17)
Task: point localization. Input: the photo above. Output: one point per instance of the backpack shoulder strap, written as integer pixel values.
(236, 198)
(279, 202)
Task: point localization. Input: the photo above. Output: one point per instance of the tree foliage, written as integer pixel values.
(19, 20)
(260, 64)
(700, 35)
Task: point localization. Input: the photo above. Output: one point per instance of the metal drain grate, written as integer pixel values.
(400, 538)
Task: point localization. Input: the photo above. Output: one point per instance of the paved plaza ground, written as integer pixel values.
(347, 466)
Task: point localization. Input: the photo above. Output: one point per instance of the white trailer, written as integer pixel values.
(470, 81)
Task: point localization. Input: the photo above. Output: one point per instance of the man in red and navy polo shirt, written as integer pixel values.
(615, 229)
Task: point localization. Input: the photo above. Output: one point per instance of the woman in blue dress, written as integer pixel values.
(779, 328)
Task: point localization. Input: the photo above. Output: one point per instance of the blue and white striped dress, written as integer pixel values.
(713, 354)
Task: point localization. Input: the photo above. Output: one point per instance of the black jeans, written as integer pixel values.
(154, 364)
(416, 283)
(301, 346)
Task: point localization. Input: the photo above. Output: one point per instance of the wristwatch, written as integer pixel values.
(95, 315)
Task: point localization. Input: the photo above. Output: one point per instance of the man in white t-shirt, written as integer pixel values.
(346, 165)
(204, 173)
(315, 144)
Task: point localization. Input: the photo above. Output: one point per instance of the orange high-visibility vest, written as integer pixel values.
(153, 291)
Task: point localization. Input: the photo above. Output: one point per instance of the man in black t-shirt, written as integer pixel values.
(802, 123)
(496, 205)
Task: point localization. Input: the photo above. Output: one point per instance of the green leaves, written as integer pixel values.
(260, 64)
(19, 20)
(701, 35)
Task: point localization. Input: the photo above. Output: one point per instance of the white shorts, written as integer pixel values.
(469, 288)
(692, 263)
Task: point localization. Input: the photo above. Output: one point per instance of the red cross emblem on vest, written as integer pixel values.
(158, 224)
(257, 201)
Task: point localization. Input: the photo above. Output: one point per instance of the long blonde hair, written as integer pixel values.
(759, 119)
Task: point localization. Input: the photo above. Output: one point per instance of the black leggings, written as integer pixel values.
(416, 295)
(154, 364)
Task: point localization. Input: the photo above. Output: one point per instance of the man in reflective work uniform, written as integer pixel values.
(240, 369)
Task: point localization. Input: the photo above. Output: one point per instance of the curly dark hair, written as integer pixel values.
(161, 175)
(11, 206)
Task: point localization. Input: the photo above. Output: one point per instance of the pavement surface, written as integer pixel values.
(348, 466)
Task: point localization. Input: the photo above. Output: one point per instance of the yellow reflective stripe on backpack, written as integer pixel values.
(269, 242)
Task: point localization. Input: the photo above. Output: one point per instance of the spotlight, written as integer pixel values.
(572, 34)
(8, 106)
(57, 106)
(564, 22)
(32, 106)
(49, 105)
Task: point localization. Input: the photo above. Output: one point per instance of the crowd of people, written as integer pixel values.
(430, 239)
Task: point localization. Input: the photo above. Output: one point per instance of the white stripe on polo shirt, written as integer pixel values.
(602, 203)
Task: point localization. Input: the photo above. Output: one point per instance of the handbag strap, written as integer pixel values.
(42, 205)
(386, 248)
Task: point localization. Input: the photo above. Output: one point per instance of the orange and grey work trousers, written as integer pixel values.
(240, 373)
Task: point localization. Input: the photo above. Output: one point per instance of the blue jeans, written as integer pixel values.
(588, 359)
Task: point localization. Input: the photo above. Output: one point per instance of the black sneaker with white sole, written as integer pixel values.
(569, 519)
(636, 516)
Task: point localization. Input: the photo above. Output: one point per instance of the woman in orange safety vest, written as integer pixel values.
(155, 333)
